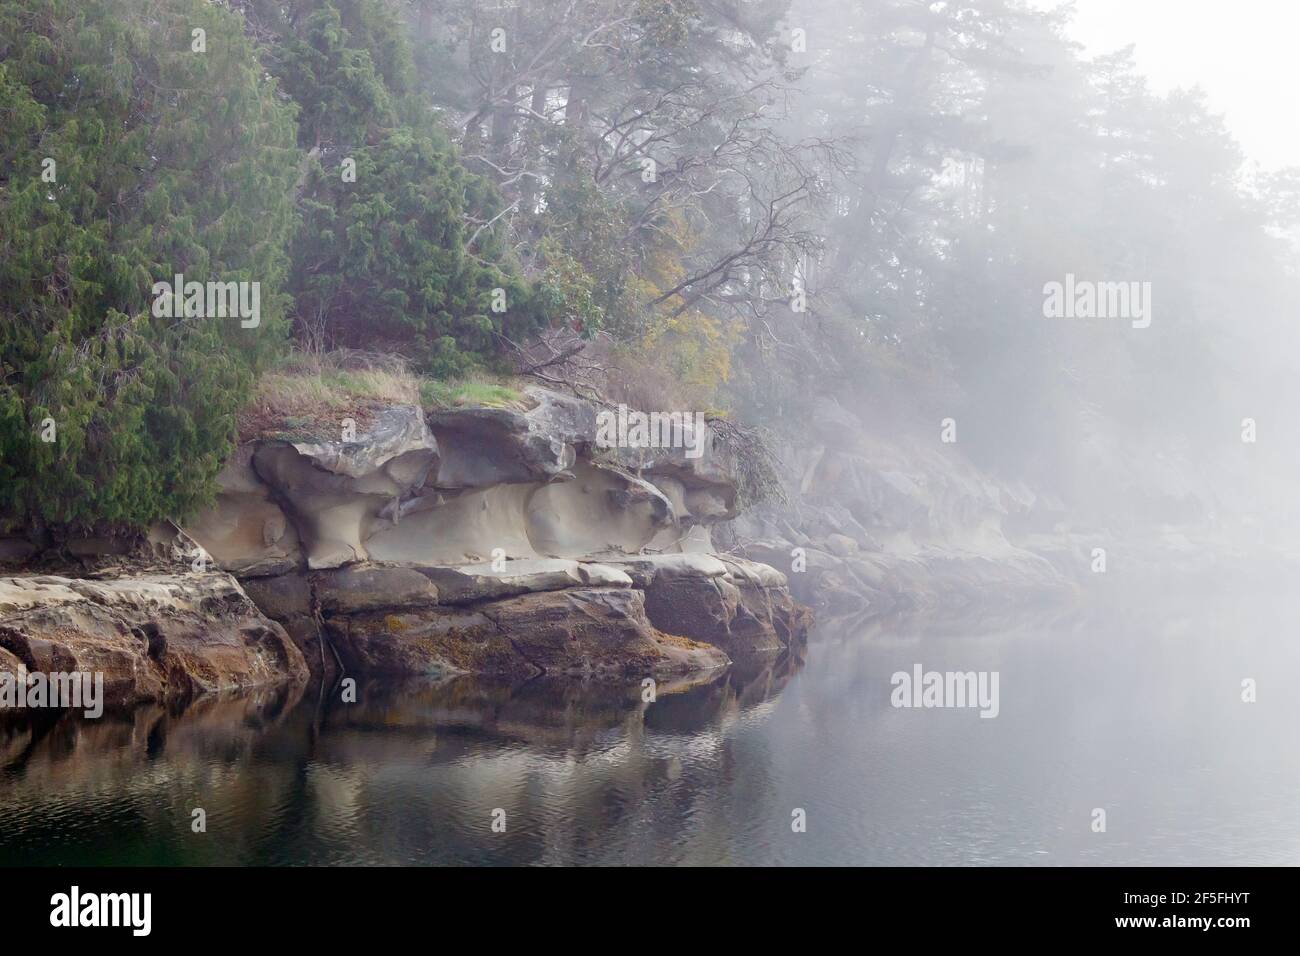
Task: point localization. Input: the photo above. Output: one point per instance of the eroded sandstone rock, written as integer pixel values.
(701, 487)
(482, 447)
(493, 540)
(153, 636)
(337, 492)
(741, 606)
(646, 568)
(601, 509)
(586, 632)
(469, 583)
(246, 532)
(478, 540)
(432, 641)
(459, 488)
(458, 528)
(356, 589)
(288, 600)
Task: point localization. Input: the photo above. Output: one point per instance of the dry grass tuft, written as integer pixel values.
(307, 396)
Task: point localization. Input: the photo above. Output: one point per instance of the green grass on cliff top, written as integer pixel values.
(469, 393)
(306, 396)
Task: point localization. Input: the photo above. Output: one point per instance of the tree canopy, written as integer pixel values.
(126, 158)
(759, 203)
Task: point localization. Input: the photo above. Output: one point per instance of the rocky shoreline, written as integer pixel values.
(653, 616)
(153, 636)
(490, 541)
(505, 542)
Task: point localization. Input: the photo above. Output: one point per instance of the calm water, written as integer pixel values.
(1138, 712)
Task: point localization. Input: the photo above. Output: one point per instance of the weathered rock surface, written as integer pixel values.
(153, 637)
(586, 632)
(459, 488)
(596, 509)
(356, 589)
(696, 476)
(494, 446)
(247, 532)
(479, 540)
(646, 568)
(535, 616)
(734, 612)
(601, 509)
(457, 527)
(287, 599)
(477, 582)
(336, 492)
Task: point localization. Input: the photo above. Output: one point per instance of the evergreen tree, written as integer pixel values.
(137, 141)
(398, 245)
(382, 263)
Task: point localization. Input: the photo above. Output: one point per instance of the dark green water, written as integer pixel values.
(1135, 710)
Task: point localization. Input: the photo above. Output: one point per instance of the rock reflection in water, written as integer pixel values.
(409, 774)
(1133, 705)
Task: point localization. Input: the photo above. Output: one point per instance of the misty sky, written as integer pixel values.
(1241, 52)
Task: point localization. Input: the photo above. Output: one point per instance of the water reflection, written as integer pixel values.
(1132, 705)
(411, 772)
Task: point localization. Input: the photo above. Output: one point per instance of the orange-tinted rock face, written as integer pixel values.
(580, 632)
(151, 637)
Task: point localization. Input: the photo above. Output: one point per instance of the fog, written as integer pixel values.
(970, 325)
(988, 170)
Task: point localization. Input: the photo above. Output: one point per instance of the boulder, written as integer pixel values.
(89, 638)
(153, 637)
(747, 611)
(588, 632)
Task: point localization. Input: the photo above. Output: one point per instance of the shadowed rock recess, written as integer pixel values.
(496, 541)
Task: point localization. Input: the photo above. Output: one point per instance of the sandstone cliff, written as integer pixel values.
(496, 541)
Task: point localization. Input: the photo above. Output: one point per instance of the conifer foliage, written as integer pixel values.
(259, 142)
(126, 157)
(388, 254)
